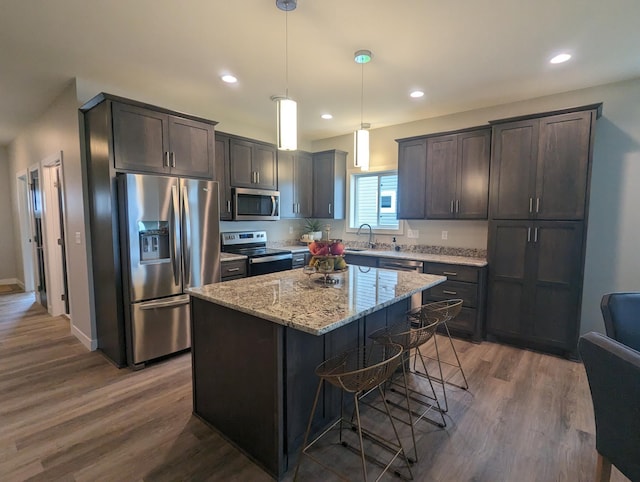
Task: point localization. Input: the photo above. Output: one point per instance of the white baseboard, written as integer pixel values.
(12, 281)
(90, 344)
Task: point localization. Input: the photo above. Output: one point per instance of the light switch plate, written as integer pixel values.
(445, 234)
(413, 233)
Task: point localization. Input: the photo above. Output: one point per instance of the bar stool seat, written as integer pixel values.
(357, 371)
(411, 333)
(443, 311)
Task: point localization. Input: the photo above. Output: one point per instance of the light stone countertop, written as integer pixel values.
(231, 257)
(291, 299)
(433, 258)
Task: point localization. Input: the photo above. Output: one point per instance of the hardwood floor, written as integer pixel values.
(68, 414)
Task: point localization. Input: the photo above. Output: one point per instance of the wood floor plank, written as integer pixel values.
(69, 415)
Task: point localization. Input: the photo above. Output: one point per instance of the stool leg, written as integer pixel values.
(464, 377)
(357, 410)
(406, 393)
(306, 435)
(395, 430)
(441, 381)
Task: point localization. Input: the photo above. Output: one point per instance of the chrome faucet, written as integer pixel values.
(371, 245)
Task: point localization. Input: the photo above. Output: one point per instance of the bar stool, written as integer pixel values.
(357, 371)
(443, 311)
(411, 334)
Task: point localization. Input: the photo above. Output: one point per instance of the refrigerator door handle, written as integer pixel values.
(186, 221)
(152, 305)
(175, 239)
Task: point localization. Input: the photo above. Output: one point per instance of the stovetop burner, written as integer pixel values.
(255, 252)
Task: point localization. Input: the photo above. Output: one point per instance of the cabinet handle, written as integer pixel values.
(258, 177)
(457, 205)
(537, 205)
(329, 208)
(452, 206)
(228, 206)
(173, 159)
(535, 235)
(530, 205)
(231, 270)
(447, 292)
(166, 159)
(449, 273)
(528, 235)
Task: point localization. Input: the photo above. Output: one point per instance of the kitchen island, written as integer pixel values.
(256, 342)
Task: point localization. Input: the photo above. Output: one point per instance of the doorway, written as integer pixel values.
(37, 236)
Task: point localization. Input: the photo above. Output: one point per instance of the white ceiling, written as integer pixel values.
(464, 54)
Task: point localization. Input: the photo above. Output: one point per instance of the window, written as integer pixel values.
(373, 200)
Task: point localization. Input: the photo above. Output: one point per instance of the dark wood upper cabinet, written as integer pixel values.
(448, 172)
(329, 184)
(253, 164)
(295, 184)
(222, 176)
(539, 167)
(412, 178)
(152, 141)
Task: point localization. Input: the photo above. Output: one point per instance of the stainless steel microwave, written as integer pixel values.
(255, 204)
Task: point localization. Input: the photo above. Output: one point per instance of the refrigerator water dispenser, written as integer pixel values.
(154, 241)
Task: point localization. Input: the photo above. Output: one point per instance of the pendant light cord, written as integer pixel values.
(286, 53)
(362, 96)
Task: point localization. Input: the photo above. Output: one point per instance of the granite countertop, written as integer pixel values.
(291, 299)
(231, 257)
(412, 255)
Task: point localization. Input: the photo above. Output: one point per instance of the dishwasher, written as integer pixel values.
(404, 265)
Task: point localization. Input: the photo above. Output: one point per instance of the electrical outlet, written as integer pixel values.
(78, 238)
(413, 233)
(290, 229)
(445, 234)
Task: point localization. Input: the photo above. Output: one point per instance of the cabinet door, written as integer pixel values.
(556, 275)
(288, 202)
(442, 169)
(323, 186)
(192, 147)
(303, 174)
(473, 174)
(241, 168)
(265, 165)
(140, 138)
(508, 284)
(513, 169)
(562, 175)
(221, 174)
(412, 178)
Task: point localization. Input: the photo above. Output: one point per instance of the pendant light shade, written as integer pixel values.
(287, 113)
(286, 108)
(361, 136)
(361, 148)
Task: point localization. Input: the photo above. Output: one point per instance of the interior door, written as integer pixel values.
(38, 238)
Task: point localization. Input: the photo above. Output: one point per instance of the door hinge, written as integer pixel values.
(59, 241)
(63, 297)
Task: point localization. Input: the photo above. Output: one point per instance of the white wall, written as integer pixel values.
(612, 260)
(8, 266)
(56, 130)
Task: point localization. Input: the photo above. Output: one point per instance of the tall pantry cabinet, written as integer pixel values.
(539, 191)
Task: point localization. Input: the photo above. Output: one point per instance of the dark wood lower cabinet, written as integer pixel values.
(535, 283)
(254, 380)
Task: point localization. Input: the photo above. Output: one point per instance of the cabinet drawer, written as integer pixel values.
(298, 260)
(453, 272)
(468, 292)
(465, 322)
(237, 269)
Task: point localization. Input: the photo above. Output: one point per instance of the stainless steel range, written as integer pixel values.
(253, 244)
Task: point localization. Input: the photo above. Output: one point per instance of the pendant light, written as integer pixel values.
(361, 136)
(286, 108)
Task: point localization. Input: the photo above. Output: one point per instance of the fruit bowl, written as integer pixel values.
(326, 248)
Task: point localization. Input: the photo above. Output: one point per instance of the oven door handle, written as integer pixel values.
(267, 259)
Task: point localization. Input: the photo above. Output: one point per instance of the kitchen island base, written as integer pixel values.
(254, 380)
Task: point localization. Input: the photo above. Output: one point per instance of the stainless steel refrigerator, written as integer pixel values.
(170, 241)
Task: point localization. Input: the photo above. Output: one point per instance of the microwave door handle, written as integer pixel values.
(186, 223)
(274, 205)
(175, 238)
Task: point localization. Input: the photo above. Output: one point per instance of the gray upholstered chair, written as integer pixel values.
(621, 313)
(613, 371)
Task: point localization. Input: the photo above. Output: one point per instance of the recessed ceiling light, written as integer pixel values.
(558, 59)
(416, 94)
(229, 79)
(327, 116)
